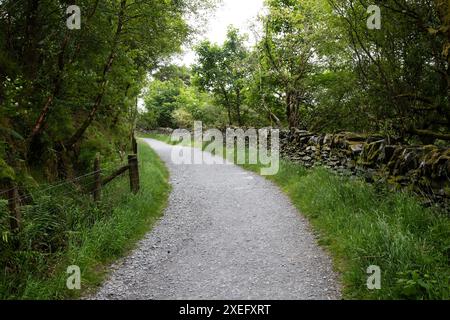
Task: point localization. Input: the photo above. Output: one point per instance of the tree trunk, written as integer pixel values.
(291, 109)
(106, 69)
(238, 106)
(228, 106)
(57, 83)
(431, 134)
(30, 53)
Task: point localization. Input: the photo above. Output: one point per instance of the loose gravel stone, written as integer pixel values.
(226, 234)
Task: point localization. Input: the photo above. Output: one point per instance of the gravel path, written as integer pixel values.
(226, 234)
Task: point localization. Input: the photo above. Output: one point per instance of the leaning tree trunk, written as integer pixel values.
(64, 148)
(292, 109)
(106, 69)
(57, 80)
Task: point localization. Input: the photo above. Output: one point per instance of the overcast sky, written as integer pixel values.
(240, 13)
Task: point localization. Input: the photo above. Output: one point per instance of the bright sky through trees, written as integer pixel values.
(240, 13)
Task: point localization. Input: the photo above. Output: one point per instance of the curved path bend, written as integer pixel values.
(226, 234)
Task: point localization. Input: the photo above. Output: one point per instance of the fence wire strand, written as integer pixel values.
(74, 183)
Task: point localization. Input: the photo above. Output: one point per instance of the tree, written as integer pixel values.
(293, 34)
(221, 71)
(172, 101)
(160, 102)
(403, 68)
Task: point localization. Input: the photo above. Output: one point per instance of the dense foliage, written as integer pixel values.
(172, 101)
(317, 66)
(66, 93)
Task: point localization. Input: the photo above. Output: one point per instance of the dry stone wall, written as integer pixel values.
(422, 169)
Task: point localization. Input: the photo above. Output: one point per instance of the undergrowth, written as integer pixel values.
(62, 226)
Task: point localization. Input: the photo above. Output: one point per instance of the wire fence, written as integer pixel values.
(86, 185)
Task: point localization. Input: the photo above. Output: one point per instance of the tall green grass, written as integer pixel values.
(66, 228)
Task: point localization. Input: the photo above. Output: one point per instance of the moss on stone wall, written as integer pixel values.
(421, 169)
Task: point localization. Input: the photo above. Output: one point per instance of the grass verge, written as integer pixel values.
(362, 225)
(62, 230)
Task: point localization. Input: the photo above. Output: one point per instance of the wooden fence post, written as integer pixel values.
(97, 193)
(135, 146)
(14, 209)
(134, 173)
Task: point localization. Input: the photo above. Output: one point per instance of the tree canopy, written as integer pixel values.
(318, 66)
(67, 93)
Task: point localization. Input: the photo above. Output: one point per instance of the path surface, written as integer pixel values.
(226, 234)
